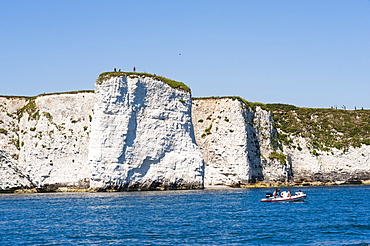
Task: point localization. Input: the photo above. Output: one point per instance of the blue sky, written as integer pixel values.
(309, 53)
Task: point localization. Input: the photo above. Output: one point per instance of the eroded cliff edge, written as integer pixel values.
(142, 136)
(44, 141)
(245, 143)
(133, 133)
(141, 131)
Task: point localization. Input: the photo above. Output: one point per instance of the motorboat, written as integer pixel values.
(284, 197)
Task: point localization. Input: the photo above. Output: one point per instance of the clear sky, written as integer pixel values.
(309, 53)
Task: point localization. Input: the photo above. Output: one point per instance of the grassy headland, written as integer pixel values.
(174, 84)
(323, 128)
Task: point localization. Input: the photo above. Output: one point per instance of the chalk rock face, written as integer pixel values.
(11, 176)
(241, 145)
(337, 166)
(324, 145)
(228, 139)
(46, 140)
(139, 132)
(273, 169)
(142, 136)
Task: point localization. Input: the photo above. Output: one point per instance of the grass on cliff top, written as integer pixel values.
(323, 128)
(30, 106)
(251, 105)
(174, 84)
(68, 92)
(49, 94)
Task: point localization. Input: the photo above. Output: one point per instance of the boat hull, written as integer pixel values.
(285, 199)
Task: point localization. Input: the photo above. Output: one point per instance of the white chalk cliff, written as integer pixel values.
(227, 137)
(142, 136)
(241, 145)
(44, 141)
(140, 131)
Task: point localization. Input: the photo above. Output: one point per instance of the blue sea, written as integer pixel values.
(336, 215)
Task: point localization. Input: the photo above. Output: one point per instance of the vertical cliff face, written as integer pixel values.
(46, 139)
(11, 177)
(272, 161)
(324, 145)
(243, 143)
(54, 140)
(334, 166)
(142, 136)
(228, 139)
(142, 131)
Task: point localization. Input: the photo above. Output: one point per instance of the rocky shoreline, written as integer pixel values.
(256, 185)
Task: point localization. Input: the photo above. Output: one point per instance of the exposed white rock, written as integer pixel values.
(142, 136)
(48, 139)
(273, 170)
(228, 140)
(240, 146)
(336, 166)
(136, 132)
(11, 177)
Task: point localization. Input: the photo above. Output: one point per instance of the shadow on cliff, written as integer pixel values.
(255, 173)
(7, 165)
(136, 104)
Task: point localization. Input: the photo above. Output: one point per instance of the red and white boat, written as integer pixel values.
(284, 197)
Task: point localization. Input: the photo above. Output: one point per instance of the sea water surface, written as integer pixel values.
(329, 216)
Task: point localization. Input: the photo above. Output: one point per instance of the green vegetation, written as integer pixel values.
(48, 116)
(208, 130)
(29, 108)
(314, 152)
(170, 82)
(247, 104)
(48, 94)
(278, 156)
(68, 92)
(201, 120)
(3, 131)
(323, 128)
(16, 142)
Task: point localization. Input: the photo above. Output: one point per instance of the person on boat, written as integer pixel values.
(289, 193)
(276, 193)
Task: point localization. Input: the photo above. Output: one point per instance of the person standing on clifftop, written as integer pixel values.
(115, 69)
(134, 69)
